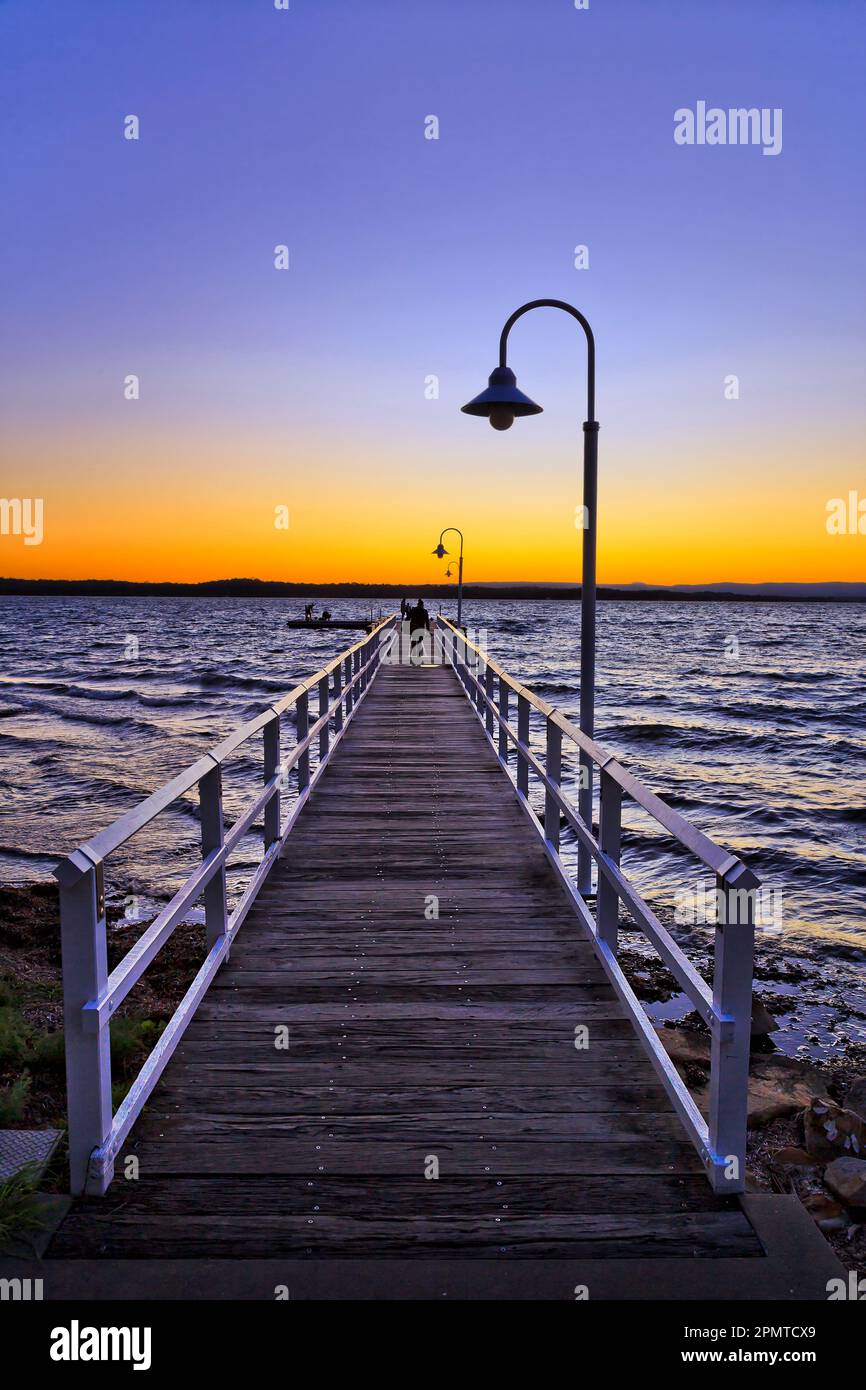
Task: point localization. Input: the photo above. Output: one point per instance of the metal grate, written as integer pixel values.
(21, 1146)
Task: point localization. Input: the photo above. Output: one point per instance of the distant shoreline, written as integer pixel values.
(263, 588)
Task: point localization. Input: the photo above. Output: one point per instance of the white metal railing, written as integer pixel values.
(727, 1007)
(90, 994)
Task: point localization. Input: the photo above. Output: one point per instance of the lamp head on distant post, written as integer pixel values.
(502, 401)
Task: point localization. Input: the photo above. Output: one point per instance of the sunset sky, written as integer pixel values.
(305, 388)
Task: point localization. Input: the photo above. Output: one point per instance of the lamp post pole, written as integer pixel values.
(440, 551)
(501, 402)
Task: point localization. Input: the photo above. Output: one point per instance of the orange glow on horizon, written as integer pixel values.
(376, 524)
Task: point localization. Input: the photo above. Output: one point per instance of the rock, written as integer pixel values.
(832, 1132)
(856, 1097)
(686, 1045)
(793, 1158)
(778, 1085)
(762, 1021)
(827, 1214)
(847, 1178)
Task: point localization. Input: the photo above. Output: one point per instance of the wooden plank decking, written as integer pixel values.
(410, 1037)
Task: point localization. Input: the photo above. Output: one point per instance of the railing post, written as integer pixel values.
(554, 772)
(302, 708)
(610, 835)
(88, 1055)
(271, 769)
(325, 731)
(210, 798)
(503, 719)
(523, 741)
(729, 1052)
(338, 696)
(350, 693)
(468, 671)
(584, 807)
(489, 688)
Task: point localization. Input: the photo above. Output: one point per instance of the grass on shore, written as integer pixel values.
(19, 1211)
(32, 1062)
(32, 1056)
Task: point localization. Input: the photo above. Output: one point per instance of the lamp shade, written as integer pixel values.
(440, 550)
(502, 392)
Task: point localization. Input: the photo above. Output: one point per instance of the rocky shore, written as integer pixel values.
(807, 1119)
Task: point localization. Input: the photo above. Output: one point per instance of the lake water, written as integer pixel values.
(748, 718)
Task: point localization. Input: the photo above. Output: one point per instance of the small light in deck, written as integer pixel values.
(501, 403)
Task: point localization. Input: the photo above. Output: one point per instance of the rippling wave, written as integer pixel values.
(765, 752)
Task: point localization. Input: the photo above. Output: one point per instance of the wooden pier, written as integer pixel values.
(415, 1054)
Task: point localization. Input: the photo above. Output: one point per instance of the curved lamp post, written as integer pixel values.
(501, 403)
(441, 552)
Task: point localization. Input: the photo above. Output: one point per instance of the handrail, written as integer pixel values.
(113, 836)
(90, 994)
(726, 1008)
(721, 861)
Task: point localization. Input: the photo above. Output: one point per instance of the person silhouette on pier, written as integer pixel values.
(418, 617)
